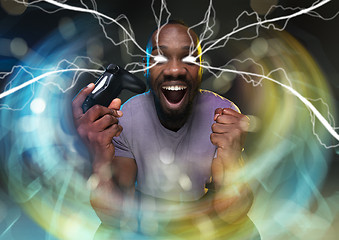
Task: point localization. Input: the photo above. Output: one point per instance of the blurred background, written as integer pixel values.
(292, 161)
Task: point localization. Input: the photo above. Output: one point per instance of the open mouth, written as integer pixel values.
(174, 94)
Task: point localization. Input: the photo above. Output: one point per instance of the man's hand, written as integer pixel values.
(98, 125)
(228, 134)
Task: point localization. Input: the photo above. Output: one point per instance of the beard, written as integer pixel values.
(174, 108)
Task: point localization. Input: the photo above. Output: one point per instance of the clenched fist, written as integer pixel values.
(228, 134)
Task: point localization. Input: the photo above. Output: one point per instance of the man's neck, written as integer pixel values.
(173, 124)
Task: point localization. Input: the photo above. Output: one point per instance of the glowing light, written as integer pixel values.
(276, 153)
(38, 105)
(262, 7)
(67, 28)
(18, 47)
(74, 226)
(259, 47)
(93, 182)
(223, 83)
(255, 123)
(99, 15)
(185, 182)
(206, 227)
(236, 30)
(307, 103)
(149, 225)
(28, 123)
(263, 23)
(95, 50)
(166, 155)
(13, 7)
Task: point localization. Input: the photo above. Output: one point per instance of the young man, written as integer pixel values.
(166, 144)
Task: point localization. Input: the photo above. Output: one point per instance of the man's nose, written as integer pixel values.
(175, 68)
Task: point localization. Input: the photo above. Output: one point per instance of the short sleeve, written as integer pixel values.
(122, 148)
(235, 107)
(121, 143)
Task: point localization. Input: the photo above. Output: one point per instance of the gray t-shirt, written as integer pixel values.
(171, 165)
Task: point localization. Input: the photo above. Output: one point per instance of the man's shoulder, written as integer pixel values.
(216, 100)
(137, 101)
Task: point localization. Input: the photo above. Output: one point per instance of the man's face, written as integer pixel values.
(174, 80)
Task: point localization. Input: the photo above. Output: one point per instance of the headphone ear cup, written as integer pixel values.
(201, 68)
(145, 66)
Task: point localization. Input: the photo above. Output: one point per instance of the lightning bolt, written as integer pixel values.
(33, 80)
(204, 36)
(206, 43)
(310, 11)
(304, 100)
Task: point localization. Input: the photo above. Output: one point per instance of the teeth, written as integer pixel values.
(174, 88)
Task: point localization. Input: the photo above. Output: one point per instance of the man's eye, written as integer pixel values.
(160, 59)
(189, 59)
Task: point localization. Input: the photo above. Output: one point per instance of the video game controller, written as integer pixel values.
(109, 86)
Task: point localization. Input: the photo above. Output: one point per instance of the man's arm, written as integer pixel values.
(232, 197)
(112, 181)
(229, 200)
(112, 193)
